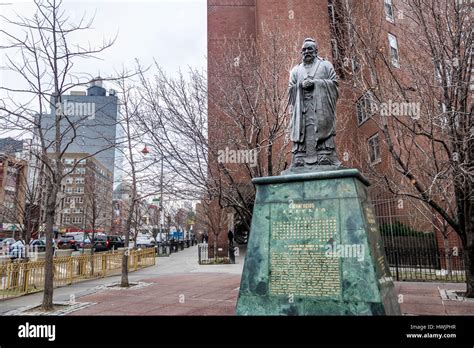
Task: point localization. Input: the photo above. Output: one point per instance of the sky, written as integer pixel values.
(171, 31)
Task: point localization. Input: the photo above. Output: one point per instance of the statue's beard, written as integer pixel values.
(308, 59)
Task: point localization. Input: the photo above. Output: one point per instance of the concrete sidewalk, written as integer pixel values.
(178, 285)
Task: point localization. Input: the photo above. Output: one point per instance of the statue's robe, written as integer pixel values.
(313, 119)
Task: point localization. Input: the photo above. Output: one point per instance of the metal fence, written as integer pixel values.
(22, 277)
(173, 246)
(412, 249)
(210, 254)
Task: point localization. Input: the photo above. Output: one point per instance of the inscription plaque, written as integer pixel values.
(299, 263)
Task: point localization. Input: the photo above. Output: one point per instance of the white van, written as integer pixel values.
(144, 241)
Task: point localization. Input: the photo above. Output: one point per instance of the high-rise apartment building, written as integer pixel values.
(88, 125)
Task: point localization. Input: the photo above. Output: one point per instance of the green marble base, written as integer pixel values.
(315, 249)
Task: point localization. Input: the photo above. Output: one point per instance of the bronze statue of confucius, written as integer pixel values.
(313, 92)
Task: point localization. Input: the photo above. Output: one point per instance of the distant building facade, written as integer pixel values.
(13, 179)
(121, 206)
(85, 200)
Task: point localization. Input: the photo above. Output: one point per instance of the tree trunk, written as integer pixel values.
(215, 247)
(128, 224)
(49, 267)
(468, 252)
(124, 281)
(92, 250)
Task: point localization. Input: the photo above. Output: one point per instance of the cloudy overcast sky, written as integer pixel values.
(171, 31)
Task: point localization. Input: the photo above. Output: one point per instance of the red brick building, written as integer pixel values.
(359, 141)
(13, 185)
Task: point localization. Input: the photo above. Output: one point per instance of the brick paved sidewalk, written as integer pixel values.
(216, 294)
(178, 285)
(184, 294)
(423, 298)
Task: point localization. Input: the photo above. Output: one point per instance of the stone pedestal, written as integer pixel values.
(315, 249)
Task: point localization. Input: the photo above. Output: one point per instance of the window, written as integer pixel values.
(11, 189)
(389, 10)
(374, 149)
(12, 170)
(355, 66)
(77, 219)
(447, 69)
(78, 199)
(392, 41)
(332, 13)
(66, 211)
(69, 161)
(335, 49)
(66, 219)
(441, 120)
(69, 180)
(68, 190)
(79, 190)
(79, 180)
(365, 105)
(9, 205)
(67, 200)
(78, 211)
(80, 170)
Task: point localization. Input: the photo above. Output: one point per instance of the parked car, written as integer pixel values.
(104, 242)
(6, 242)
(84, 244)
(39, 245)
(67, 242)
(81, 242)
(17, 250)
(145, 241)
(114, 242)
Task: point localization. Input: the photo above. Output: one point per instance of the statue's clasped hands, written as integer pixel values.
(307, 83)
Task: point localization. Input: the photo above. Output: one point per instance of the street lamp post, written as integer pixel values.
(162, 213)
(145, 151)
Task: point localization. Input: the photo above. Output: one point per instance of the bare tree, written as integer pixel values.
(135, 164)
(247, 116)
(43, 57)
(418, 92)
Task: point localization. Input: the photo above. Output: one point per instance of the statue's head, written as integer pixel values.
(309, 51)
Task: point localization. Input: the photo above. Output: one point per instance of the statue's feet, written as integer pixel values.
(329, 160)
(311, 160)
(298, 162)
(325, 161)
